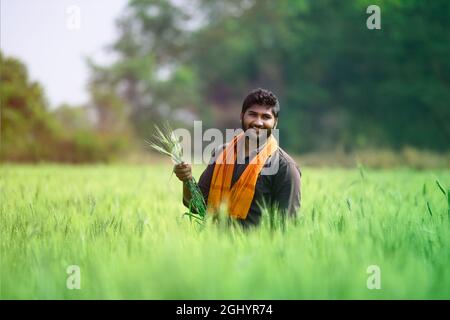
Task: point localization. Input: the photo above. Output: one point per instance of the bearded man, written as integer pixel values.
(251, 170)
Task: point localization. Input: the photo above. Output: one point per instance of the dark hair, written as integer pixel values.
(262, 97)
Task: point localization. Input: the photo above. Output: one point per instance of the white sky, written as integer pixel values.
(39, 33)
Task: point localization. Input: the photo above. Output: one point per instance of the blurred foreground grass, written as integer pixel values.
(123, 226)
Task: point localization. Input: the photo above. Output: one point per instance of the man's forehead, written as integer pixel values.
(260, 108)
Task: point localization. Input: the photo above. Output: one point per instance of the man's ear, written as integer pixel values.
(276, 123)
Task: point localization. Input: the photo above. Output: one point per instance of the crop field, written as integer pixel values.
(362, 234)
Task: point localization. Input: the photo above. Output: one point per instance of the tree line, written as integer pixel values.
(340, 84)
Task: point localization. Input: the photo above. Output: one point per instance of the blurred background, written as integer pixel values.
(85, 81)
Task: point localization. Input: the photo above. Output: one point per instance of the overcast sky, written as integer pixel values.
(52, 41)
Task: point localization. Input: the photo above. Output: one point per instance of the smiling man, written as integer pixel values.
(241, 173)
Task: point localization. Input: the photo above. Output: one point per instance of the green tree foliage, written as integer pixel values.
(27, 129)
(341, 85)
(31, 132)
(151, 76)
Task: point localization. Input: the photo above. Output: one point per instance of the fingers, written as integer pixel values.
(182, 168)
(183, 171)
(184, 177)
(183, 165)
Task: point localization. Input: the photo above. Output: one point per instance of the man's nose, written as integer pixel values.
(258, 123)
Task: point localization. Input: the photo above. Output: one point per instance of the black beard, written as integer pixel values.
(269, 131)
(259, 140)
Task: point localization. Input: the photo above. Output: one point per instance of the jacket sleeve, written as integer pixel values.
(287, 193)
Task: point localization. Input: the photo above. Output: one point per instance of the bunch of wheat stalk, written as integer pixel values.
(166, 142)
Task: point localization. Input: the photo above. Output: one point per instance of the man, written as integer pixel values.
(245, 185)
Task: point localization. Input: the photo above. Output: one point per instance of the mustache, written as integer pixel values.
(258, 128)
(259, 132)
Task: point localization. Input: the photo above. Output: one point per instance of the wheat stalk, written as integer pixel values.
(166, 142)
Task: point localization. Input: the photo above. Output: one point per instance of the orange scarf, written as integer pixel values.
(238, 198)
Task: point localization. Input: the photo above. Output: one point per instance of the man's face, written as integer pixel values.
(258, 117)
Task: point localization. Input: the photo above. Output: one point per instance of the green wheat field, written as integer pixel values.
(123, 226)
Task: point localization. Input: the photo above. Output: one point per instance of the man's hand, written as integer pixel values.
(183, 171)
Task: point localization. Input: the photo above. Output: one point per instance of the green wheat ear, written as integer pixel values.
(167, 143)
